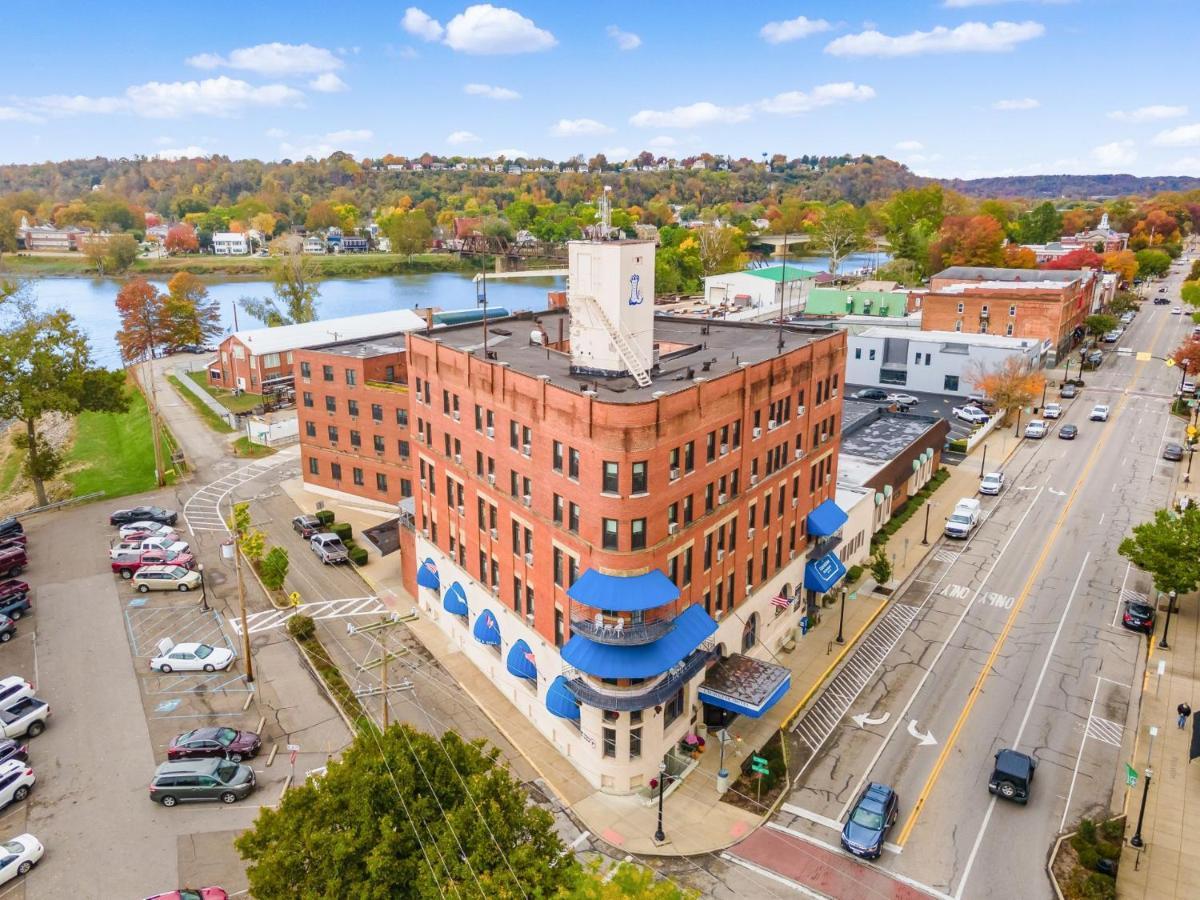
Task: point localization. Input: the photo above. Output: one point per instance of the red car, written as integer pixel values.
(208, 893)
(126, 564)
(16, 539)
(12, 588)
(228, 743)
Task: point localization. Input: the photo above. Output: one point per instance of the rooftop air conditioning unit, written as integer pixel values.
(757, 432)
(674, 474)
(527, 500)
(672, 527)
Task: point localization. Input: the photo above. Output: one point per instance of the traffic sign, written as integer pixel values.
(293, 760)
(759, 765)
(1170, 362)
(1191, 431)
(294, 748)
(853, 595)
(1131, 775)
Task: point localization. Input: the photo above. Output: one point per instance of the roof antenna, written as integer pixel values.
(604, 213)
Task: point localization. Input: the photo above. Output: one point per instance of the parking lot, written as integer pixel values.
(929, 405)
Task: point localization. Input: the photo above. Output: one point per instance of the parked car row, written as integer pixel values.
(325, 544)
(149, 552)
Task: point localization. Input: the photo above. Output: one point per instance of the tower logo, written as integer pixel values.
(635, 294)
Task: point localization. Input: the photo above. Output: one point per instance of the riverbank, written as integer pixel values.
(228, 268)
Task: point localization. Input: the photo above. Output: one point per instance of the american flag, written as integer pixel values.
(431, 566)
(782, 601)
(530, 658)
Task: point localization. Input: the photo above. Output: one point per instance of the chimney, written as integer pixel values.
(428, 319)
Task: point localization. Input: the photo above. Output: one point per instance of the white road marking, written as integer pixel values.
(321, 609)
(579, 840)
(203, 509)
(927, 739)
(863, 720)
(1037, 688)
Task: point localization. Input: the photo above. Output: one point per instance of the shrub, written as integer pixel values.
(342, 530)
(958, 445)
(1086, 831)
(853, 574)
(358, 555)
(302, 628)
(1113, 829)
(325, 516)
(274, 568)
(881, 566)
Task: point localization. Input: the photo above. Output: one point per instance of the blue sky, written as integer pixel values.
(951, 87)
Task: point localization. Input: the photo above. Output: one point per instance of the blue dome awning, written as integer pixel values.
(693, 626)
(623, 593)
(487, 629)
(521, 661)
(427, 574)
(826, 519)
(822, 574)
(560, 700)
(454, 601)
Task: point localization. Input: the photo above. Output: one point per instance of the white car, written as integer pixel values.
(190, 657)
(14, 688)
(1099, 413)
(147, 529)
(16, 781)
(1052, 411)
(991, 483)
(1036, 429)
(18, 855)
(1176, 311)
(904, 399)
(972, 414)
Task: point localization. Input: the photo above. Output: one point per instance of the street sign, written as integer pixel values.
(853, 595)
(759, 764)
(1131, 775)
(293, 759)
(1170, 362)
(294, 748)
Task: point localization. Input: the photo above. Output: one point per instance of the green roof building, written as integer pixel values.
(839, 302)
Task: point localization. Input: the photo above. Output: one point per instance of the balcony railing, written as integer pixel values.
(628, 699)
(615, 630)
(823, 545)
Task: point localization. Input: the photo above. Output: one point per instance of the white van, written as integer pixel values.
(963, 520)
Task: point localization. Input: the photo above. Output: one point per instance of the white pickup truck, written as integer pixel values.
(963, 520)
(26, 717)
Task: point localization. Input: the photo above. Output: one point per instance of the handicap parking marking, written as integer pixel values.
(168, 706)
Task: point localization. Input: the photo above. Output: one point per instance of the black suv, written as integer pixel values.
(307, 526)
(1012, 777)
(870, 394)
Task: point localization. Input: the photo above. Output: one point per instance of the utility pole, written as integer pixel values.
(383, 646)
(152, 402)
(235, 544)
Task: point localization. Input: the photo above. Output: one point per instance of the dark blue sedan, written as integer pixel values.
(870, 819)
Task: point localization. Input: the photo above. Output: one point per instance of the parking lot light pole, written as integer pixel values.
(842, 613)
(1136, 840)
(204, 607)
(1162, 644)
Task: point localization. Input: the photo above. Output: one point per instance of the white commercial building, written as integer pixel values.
(230, 243)
(937, 362)
(760, 291)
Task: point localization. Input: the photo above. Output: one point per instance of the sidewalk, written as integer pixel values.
(696, 820)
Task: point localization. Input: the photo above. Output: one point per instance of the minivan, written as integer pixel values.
(165, 578)
(201, 779)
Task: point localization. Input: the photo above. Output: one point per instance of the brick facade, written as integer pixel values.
(235, 367)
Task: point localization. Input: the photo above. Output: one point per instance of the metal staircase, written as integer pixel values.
(629, 355)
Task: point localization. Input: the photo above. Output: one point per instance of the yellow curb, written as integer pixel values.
(833, 665)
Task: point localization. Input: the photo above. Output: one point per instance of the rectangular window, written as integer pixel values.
(402, 446)
(687, 510)
(558, 567)
(377, 440)
(637, 534)
(310, 429)
(573, 464)
(333, 433)
(611, 480)
(445, 402)
(358, 476)
(674, 709)
(609, 534)
(573, 518)
(557, 460)
(1012, 310)
(610, 743)
(557, 507)
(335, 471)
(327, 373)
(352, 408)
(529, 600)
(376, 412)
(635, 743)
(355, 438)
(351, 377)
(950, 383)
(559, 631)
(381, 482)
(402, 417)
(305, 370)
(308, 399)
(689, 457)
(514, 435)
(518, 590)
(687, 566)
(330, 404)
(858, 352)
(314, 466)
(638, 484)
(711, 446)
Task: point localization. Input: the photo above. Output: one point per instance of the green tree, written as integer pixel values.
(119, 254)
(1100, 323)
(720, 248)
(409, 232)
(1190, 293)
(600, 881)
(1123, 302)
(296, 287)
(1153, 262)
(190, 315)
(254, 544)
(881, 566)
(274, 568)
(1040, 225)
(1168, 547)
(404, 814)
(911, 218)
(46, 366)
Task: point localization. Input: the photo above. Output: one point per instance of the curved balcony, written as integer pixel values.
(614, 628)
(642, 696)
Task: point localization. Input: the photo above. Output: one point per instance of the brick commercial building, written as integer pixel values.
(249, 360)
(621, 518)
(1049, 306)
(352, 404)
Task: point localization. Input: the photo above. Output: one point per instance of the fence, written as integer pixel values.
(94, 495)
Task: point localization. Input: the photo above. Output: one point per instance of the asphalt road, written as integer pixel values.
(1011, 639)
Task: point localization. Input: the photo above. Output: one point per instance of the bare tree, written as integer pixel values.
(840, 233)
(720, 248)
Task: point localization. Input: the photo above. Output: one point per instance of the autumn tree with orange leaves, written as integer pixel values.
(181, 239)
(1123, 262)
(1188, 354)
(144, 327)
(1010, 385)
(967, 241)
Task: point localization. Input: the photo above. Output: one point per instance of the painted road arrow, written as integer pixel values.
(863, 720)
(927, 739)
(1057, 493)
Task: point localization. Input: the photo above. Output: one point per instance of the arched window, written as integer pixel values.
(750, 633)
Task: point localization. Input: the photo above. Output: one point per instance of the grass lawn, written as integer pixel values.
(243, 446)
(10, 467)
(211, 419)
(239, 404)
(115, 450)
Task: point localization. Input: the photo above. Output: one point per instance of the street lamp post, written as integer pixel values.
(842, 612)
(1136, 840)
(982, 464)
(204, 607)
(1045, 385)
(1018, 431)
(1162, 644)
(929, 506)
(661, 837)
(1067, 370)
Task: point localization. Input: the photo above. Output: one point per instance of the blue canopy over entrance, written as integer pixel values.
(826, 519)
(822, 574)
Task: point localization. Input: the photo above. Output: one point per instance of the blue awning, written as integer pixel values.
(521, 662)
(487, 629)
(822, 574)
(427, 574)
(692, 627)
(826, 519)
(454, 601)
(623, 593)
(745, 685)
(560, 700)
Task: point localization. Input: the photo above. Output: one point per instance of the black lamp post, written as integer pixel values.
(1067, 370)
(204, 607)
(982, 469)
(1162, 644)
(928, 506)
(1136, 840)
(842, 616)
(660, 836)
(1045, 385)
(1018, 431)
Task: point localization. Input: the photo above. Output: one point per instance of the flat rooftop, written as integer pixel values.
(723, 345)
(884, 437)
(962, 287)
(950, 337)
(857, 411)
(366, 348)
(998, 273)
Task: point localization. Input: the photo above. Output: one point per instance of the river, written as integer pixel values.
(92, 300)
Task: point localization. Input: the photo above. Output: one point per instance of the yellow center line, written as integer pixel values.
(977, 688)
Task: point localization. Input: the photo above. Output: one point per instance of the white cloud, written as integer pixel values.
(617, 153)
(189, 152)
(491, 91)
(322, 145)
(578, 128)
(221, 96)
(419, 23)
(1017, 104)
(792, 29)
(272, 59)
(662, 142)
(510, 153)
(1183, 136)
(1151, 113)
(328, 83)
(626, 40)
(1116, 153)
(791, 103)
(277, 133)
(970, 37)
(691, 116)
(164, 140)
(909, 146)
(349, 136)
(1189, 165)
(12, 114)
(462, 137)
(485, 29)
